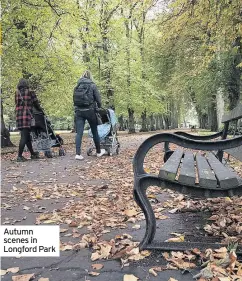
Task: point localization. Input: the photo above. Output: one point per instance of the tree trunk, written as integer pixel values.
(157, 123)
(166, 122)
(131, 121)
(144, 125)
(121, 123)
(152, 122)
(213, 121)
(234, 80)
(161, 122)
(203, 120)
(220, 106)
(5, 135)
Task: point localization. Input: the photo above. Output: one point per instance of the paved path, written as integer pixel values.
(72, 265)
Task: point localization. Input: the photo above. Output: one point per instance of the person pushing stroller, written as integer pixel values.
(86, 99)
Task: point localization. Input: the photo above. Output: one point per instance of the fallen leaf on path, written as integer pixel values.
(26, 208)
(95, 256)
(97, 266)
(3, 272)
(44, 279)
(130, 277)
(66, 247)
(13, 269)
(131, 212)
(49, 221)
(73, 224)
(173, 211)
(152, 271)
(92, 273)
(172, 279)
(137, 226)
(176, 239)
(63, 230)
(24, 277)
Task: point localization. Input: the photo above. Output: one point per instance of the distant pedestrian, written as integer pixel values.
(86, 99)
(25, 100)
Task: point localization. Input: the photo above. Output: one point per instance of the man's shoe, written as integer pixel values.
(21, 159)
(35, 156)
(79, 157)
(101, 153)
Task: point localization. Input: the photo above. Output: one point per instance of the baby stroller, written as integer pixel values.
(43, 137)
(107, 133)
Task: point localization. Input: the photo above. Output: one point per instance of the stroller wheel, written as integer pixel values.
(89, 151)
(62, 152)
(48, 154)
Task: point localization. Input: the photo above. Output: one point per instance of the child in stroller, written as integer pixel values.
(107, 132)
(43, 137)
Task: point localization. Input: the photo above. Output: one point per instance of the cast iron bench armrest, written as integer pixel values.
(194, 137)
(138, 163)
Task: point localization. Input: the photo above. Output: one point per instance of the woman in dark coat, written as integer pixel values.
(25, 100)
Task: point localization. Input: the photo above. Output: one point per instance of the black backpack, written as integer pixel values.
(83, 97)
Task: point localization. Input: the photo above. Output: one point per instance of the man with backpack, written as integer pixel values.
(86, 99)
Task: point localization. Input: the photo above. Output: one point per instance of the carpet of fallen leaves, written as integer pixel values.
(102, 208)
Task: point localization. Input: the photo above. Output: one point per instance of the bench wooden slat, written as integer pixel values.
(169, 170)
(187, 174)
(205, 175)
(225, 177)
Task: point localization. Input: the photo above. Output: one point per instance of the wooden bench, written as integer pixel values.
(215, 178)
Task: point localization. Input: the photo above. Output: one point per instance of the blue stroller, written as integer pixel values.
(107, 133)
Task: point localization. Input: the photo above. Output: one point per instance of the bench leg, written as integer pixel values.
(142, 200)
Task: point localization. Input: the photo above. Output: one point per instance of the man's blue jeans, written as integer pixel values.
(80, 117)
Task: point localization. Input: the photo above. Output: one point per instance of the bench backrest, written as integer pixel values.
(234, 114)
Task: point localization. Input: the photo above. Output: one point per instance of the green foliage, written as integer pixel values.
(141, 59)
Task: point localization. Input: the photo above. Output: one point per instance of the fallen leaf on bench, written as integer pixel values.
(130, 277)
